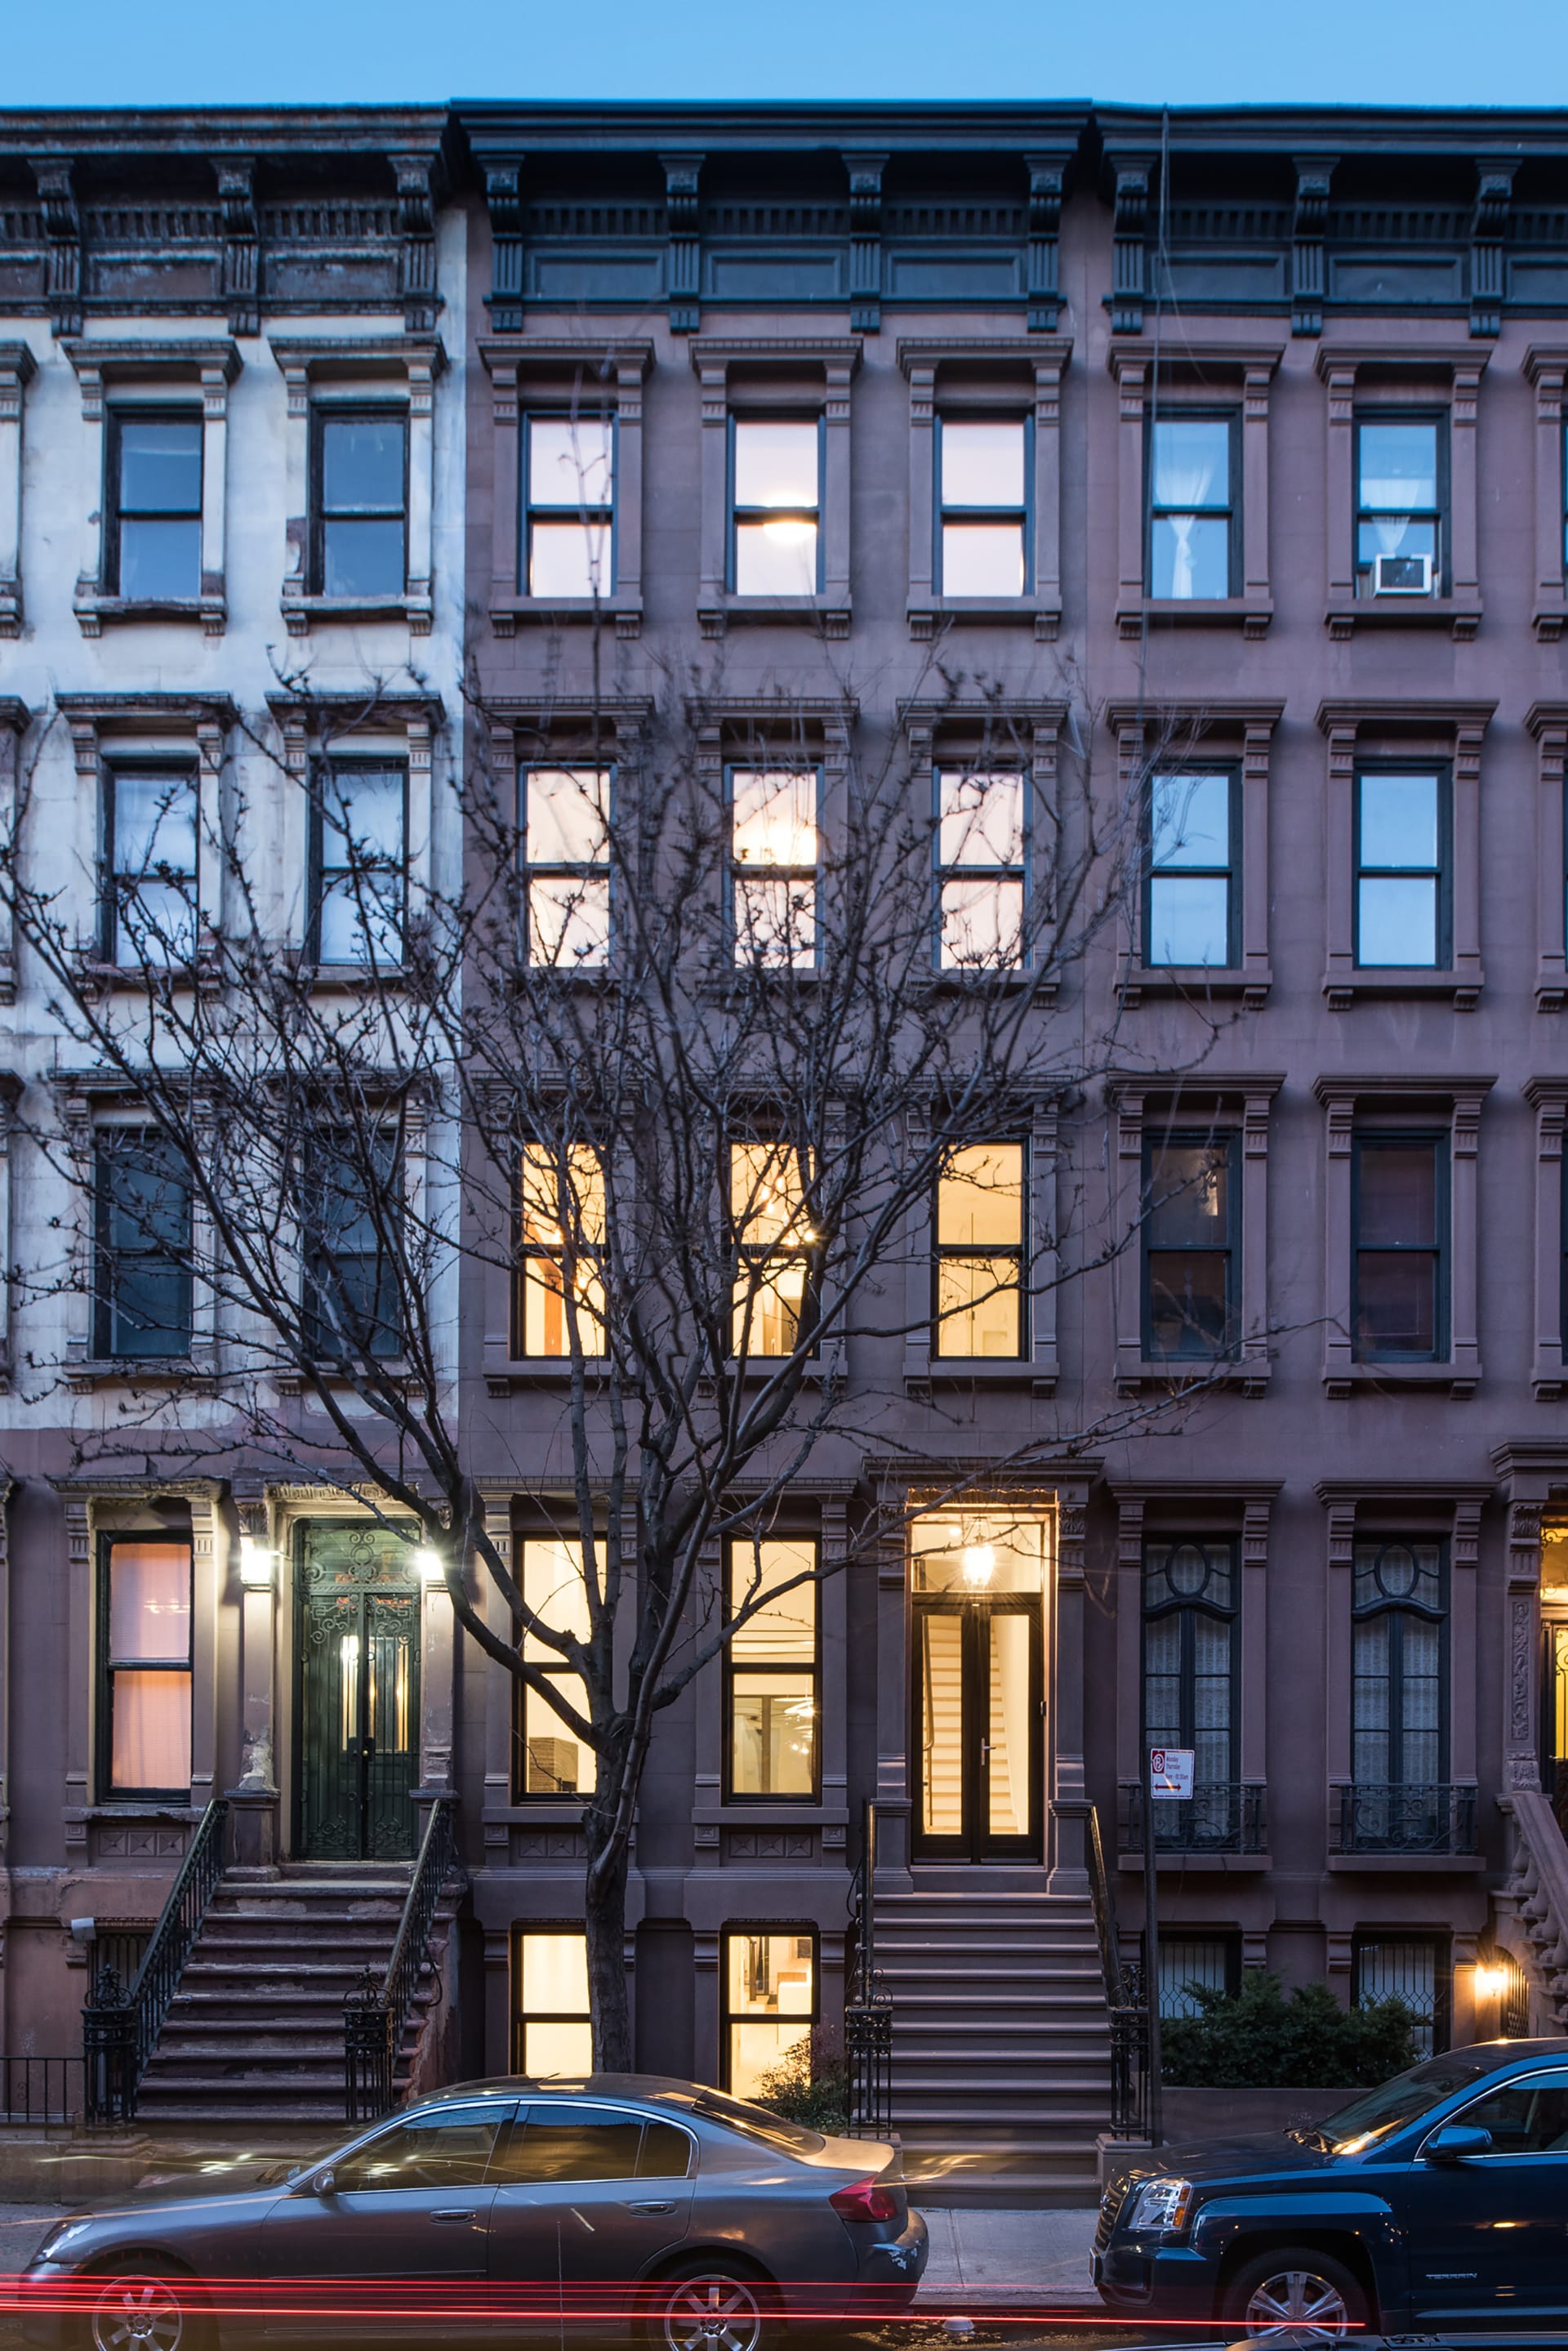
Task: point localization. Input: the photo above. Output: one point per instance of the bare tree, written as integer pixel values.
(681, 1058)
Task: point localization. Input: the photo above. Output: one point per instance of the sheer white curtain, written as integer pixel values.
(1187, 466)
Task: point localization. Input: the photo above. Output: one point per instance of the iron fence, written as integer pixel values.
(121, 2021)
(867, 2011)
(1222, 1816)
(42, 2090)
(1415, 1816)
(1124, 1989)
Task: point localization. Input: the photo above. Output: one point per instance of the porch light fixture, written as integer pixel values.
(979, 1564)
(258, 1566)
(1489, 1982)
(429, 1566)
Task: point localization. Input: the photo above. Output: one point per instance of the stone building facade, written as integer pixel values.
(1276, 492)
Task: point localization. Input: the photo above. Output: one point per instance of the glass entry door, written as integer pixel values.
(1554, 1720)
(978, 1723)
(358, 1710)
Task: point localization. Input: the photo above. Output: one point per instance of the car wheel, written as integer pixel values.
(148, 2308)
(707, 2307)
(1297, 2288)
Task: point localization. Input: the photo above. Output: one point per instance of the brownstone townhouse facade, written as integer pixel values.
(1225, 451)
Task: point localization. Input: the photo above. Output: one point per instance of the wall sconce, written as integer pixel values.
(429, 1565)
(1488, 1982)
(258, 1566)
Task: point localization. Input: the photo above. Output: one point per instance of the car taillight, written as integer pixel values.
(867, 2199)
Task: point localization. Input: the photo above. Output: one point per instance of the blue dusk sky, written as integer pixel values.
(1183, 52)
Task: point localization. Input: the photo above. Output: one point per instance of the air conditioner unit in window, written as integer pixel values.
(1401, 575)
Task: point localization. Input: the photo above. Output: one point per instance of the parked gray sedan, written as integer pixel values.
(612, 2203)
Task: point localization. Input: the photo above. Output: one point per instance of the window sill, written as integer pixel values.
(141, 1808)
(303, 1382)
(95, 613)
(1004, 980)
(349, 975)
(770, 1812)
(10, 609)
(626, 611)
(926, 617)
(1405, 1865)
(199, 1372)
(982, 1370)
(1461, 990)
(831, 613)
(1552, 987)
(100, 978)
(515, 1376)
(1460, 616)
(1548, 619)
(1196, 982)
(1201, 1857)
(1249, 1377)
(302, 613)
(1439, 1379)
(1251, 614)
(1549, 1383)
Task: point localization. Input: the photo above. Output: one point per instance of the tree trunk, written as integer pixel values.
(604, 1916)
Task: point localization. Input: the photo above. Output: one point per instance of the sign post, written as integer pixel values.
(1167, 1780)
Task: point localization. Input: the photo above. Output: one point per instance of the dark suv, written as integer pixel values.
(1438, 2201)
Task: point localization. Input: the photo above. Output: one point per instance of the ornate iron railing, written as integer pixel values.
(1218, 1817)
(1419, 1816)
(867, 2011)
(377, 2010)
(42, 2090)
(120, 2023)
(1124, 1988)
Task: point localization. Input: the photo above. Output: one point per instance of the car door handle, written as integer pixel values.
(650, 2208)
(450, 2212)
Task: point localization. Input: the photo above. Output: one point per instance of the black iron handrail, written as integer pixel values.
(867, 2011)
(1124, 2008)
(120, 2023)
(376, 2011)
(862, 1916)
(1219, 1816)
(1409, 1816)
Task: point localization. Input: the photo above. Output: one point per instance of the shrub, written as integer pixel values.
(809, 2085)
(1259, 2039)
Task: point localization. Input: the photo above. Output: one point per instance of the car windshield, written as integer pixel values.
(755, 2122)
(1392, 2105)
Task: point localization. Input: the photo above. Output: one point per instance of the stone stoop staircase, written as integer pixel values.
(254, 2032)
(1002, 2053)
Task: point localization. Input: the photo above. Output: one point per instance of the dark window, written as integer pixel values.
(576, 2143)
(1401, 505)
(773, 859)
(353, 1222)
(775, 500)
(563, 818)
(1564, 453)
(1399, 1710)
(448, 2149)
(362, 467)
(980, 1251)
(1403, 870)
(1190, 1962)
(1193, 901)
(1192, 507)
(1400, 1222)
(1190, 1654)
(772, 1675)
(155, 505)
(1189, 1246)
(359, 819)
(1412, 1968)
(149, 818)
(143, 1292)
(769, 1979)
(144, 1673)
(982, 876)
(984, 507)
(569, 505)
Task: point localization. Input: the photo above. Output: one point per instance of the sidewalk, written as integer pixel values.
(982, 2260)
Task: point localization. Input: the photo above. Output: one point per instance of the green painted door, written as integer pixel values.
(357, 1643)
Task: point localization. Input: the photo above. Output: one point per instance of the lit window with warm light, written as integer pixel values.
(981, 841)
(977, 1553)
(774, 853)
(983, 530)
(773, 1671)
(145, 1688)
(979, 1252)
(560, 1305)
(549, 1758)
(564, 821)
(569, 505)
(775, 478)
(551, 2032)
(769, 1981)
(774, 1240)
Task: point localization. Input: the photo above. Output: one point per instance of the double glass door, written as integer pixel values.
(977, 1710)
(358, 1710)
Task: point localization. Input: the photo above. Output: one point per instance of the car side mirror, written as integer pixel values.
(322, 2183)
(1455, 2142)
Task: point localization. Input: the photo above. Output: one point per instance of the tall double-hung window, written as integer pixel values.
(1192, 899)
(773, 1241)
(1192, 1246)
(1400, 1233)
(154, 519)
(981, 1282)
(1404, 869)
(360, 832)
(772, 1672)
(1191, 1665)
(142, 1258)
(1193, 509)
(569, 505)
(359, 503)
(982, 870)
(774, 865)
(1399, 1712)
(565, 825)
(1401, 505)
(144, 1681)
(560, 1301)
(984, 502)
(776, 506)
(149, 830)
